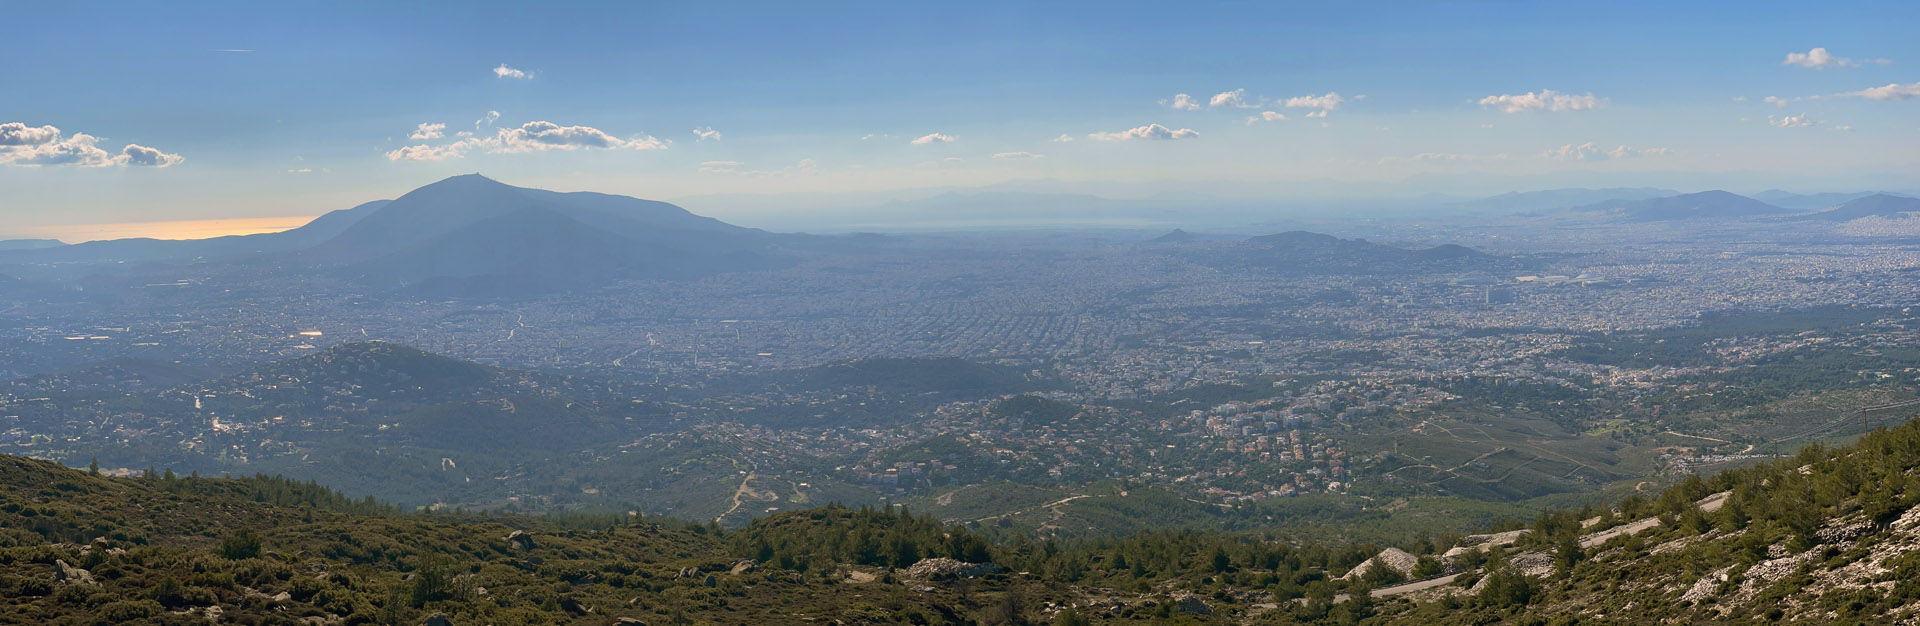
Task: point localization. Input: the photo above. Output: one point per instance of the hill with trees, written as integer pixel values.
(1830, 535)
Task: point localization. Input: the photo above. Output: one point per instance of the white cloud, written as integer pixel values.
(1590, 152)
(1791, 121)
(507, 72)
(1266, 116)
(706, 132)
(486, 120)
(1184, 102)
(1546, 100)
(303, 170)
(20, 134)
(1236, 99)
(1844, 129)
(538, 136)
(1775, 101)
(1327, 102)
(428, 131)
(1063, 138)
(142, 156)
(1018, 155)
(1319, 113)
(933, 138)
(425, 152)
(529, 137)
(78, 150)
(1891, 91)
(31, 146)
(1150, 131)
(1819, 58)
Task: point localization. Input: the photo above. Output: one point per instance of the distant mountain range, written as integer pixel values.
(1812, 201)
(1876, 205)
(1703, 205)
(29, 244)
(1557, 199)
(1302, 252)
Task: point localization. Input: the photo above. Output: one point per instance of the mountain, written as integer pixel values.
(1557, 199)
(29, 244)
(1811, 201)
(1714, 204)
(470, 235)
(1876, 205)
(1310, 253)
(1176, 236)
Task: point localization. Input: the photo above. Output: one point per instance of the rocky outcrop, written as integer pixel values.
(1189, 603)
(71, 575)
(743, 566)
(949, 568)
(520, 540)
(1391, 558)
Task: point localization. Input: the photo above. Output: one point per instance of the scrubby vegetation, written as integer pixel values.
(1827, 536)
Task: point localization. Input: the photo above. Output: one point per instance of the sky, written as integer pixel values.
(120, 112)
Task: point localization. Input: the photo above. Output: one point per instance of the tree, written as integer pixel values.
(93, 467)
(240, 545)
(1566, 555)
(1221, 562)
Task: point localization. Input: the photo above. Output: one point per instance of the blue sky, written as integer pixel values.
(317, 112)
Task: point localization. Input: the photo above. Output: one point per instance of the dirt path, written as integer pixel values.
(1669, 432)
(737, 494)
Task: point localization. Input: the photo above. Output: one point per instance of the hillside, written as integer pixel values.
(375, 418)
(1827, 536)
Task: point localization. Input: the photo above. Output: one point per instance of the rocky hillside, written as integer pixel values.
(1829, 536)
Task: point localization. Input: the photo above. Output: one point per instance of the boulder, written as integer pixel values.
(742, 567)
(437, 619)
(71, 575)
(1189, 603)
(520, 540)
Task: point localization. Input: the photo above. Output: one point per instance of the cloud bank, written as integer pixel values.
(33, 146)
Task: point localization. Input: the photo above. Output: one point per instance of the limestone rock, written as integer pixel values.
(949, 568)
(71, 575)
